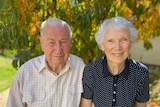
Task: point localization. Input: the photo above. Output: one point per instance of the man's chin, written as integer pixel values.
(58, 62)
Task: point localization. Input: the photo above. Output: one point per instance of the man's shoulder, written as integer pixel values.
(76, 58)
(31, 64)
(76, 62)
(36, 60)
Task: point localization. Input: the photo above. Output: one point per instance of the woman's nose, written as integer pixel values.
(117, 45)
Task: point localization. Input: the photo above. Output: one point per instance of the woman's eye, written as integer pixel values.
(124, 40)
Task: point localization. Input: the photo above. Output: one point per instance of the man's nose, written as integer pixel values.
(58, 48)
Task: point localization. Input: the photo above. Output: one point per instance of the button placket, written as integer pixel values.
(114, 91)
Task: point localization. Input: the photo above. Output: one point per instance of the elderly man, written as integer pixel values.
(53, 79)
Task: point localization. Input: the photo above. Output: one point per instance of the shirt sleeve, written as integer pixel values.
(143, 88)
(15, 97)
(87, 81)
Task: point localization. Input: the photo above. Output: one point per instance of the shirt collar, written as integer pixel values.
(69, 63)
(124, 73)
(43, 64)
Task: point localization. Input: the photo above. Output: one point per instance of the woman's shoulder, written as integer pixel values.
(96, 63)
(137, 65)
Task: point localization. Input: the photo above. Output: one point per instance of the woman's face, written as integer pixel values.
(116, 45)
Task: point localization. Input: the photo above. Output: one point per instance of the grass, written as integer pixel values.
(7, 72)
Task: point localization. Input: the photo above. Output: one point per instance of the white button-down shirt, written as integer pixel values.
(35, 86)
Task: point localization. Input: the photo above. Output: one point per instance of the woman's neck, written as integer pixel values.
(115, 69)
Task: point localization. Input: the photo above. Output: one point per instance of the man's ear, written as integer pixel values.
(71, 42)
(41, 42)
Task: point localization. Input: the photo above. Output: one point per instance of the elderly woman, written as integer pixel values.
(115, 80)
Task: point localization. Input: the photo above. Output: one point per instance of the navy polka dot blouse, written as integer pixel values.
(122, 90)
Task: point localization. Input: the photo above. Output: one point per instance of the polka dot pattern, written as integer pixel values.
(122, 90)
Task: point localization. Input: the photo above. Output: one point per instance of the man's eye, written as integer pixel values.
(109, 40)
(51, 43)
(63, 42)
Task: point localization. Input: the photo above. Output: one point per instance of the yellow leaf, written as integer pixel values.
(33, 30)
(128, 10)
(40, 13)
(49, 11)
(34, 18)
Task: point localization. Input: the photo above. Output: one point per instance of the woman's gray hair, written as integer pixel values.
(118, 23)
(55, 22)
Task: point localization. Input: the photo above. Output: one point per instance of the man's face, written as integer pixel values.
(56, 45)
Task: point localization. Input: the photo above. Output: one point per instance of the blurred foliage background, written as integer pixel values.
(20, 22)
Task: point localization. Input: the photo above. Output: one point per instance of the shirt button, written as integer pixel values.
(114, 92)
(113, 100)
(115, 85)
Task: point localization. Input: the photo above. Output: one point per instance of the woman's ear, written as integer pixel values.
(130, 46)
(102, 47)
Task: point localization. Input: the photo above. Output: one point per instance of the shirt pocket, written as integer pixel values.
(33, 95)
(73, 89)
(73, 96)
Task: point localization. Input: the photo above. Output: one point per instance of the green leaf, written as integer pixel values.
(2, 2)
(147, 45)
